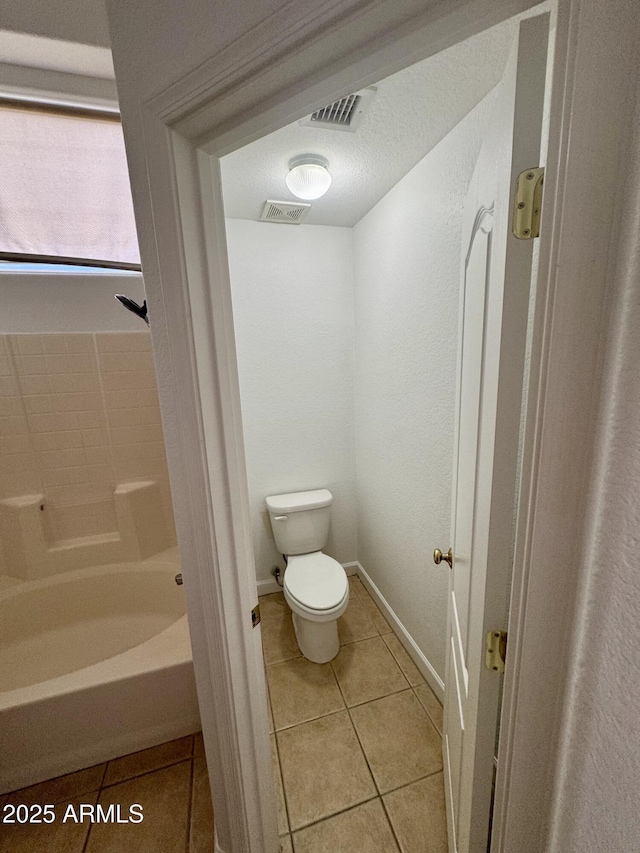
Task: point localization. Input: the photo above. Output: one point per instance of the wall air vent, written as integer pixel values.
(292, 212)
(344, 114)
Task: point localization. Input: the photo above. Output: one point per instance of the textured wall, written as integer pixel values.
(293, 309)
(83, 21)
(407, 270)
(596, 804)
(79, 414)
(67, 302)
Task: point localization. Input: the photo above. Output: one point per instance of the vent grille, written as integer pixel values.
(344, 114)
(292, 212)
(339, 112)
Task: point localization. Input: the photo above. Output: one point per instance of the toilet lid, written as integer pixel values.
(316, 580)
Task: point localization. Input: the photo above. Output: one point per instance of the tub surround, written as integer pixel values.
(80, 436)
(31, 553)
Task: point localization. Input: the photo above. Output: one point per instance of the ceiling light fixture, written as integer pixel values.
(308, 176)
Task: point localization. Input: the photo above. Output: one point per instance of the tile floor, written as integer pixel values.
(170, 781)
(356, 756)
(356, 743)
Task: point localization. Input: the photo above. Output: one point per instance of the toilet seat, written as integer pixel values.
(316, 586)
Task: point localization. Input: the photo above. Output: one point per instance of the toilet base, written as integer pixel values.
(318, 641)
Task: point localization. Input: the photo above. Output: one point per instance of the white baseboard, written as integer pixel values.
(426, 669)
(271, 585)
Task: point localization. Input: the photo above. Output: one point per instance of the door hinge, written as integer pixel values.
(255, 616)
(527, 204)
(496, 651)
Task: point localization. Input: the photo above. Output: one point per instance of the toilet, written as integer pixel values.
(315, 585)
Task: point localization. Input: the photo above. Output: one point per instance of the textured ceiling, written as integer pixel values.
(411, 112)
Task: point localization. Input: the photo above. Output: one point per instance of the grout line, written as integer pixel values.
(335, 814)
(284, 790)
(312, 720)
(391, 826)
(190, 803)
(146, 773)
(412, 782)
(86, 838)
(364, 754)
(433, 722)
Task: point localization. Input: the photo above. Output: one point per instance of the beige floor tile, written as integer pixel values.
(374, 613)
(57, 837)
(431, 704)
(302, 690)
(355, 624)
(285, 844)
(357, 587)
(323, 769)
(366, 671)
(201, 824)
(364, 829)
(60, 789)
(146, 760)
(408, 667)
(279, 639)
(418, 816)
(164, 796)
(283, 821)
(273, 606)
(399, 740)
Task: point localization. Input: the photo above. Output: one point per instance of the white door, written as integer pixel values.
(494, 299)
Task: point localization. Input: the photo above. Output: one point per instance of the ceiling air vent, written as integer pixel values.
(345, 114)
(292, 212)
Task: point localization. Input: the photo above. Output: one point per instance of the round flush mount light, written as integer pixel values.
(308, 176)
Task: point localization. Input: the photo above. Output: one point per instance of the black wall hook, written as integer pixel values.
(138, 310)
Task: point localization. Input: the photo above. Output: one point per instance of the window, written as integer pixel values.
(64, 191)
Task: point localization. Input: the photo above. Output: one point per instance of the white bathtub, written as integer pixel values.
(94, 663)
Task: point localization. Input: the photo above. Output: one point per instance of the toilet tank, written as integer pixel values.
(300, 520)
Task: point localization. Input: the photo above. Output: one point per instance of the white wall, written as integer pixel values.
(83, 21)
(595, 806)
(407, 270)
(292, 288)
(46, 303)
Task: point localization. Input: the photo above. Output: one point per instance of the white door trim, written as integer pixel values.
(273, 75)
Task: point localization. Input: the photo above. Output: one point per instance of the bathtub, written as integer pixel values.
(94, 663)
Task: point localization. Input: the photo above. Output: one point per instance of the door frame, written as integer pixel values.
(291, 64)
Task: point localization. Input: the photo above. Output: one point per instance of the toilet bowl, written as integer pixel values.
(315, 585)
(317, 591)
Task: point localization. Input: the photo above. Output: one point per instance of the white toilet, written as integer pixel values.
(315, 585)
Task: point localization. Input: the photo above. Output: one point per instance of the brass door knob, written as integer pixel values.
(438, 557)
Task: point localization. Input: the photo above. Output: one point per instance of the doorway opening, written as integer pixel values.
(348, 340)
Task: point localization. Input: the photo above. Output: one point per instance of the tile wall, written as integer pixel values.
(79, 414)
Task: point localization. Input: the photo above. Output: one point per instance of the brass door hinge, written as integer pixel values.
(496, 651)
(527, 205)
(255, 616)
